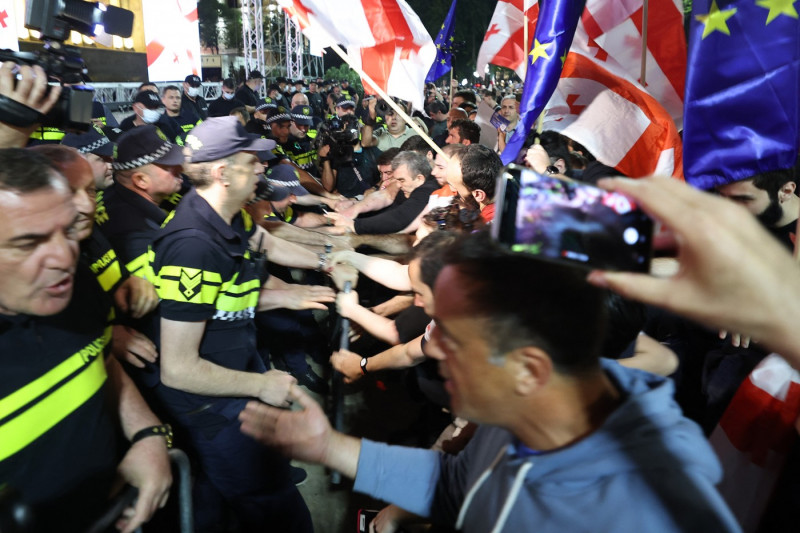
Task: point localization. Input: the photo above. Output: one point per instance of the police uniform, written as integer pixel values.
(301, 150)
(129, 222)
(57, 434)
(206, 272)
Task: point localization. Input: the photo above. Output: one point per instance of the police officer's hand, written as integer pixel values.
(136, 296)
(132, 347)
(275, 388)
(348, 363)
(146, 467)
(324, 150)
(303, 435)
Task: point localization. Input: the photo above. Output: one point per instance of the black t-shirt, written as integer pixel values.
(401, 214)
(247, 95)
(352, 179)
(198, 106)
(205, 272)
(222, 107)
(57, 435)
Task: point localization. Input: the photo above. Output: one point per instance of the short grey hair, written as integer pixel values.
(416, 163)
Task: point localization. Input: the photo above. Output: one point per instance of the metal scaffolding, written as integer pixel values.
(294, 49)
(253, 35)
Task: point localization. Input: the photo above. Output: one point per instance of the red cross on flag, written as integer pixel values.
(8, 26)
(385, 38)
(502, 45)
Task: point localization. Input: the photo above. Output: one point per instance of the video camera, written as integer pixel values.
(341, 134)
(55, 19)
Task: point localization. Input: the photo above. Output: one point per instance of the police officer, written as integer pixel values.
(209, 276)
(298, 147)
(58, 438)
(192, 99)
(250, 91)
(227, 101)
(183, 117)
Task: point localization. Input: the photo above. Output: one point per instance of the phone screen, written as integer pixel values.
(573, 222)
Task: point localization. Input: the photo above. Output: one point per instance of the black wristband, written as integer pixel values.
(17, 114)
(164, 430)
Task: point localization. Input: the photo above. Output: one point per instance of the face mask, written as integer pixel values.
(193, 91)
(150, 116)
(227, 96)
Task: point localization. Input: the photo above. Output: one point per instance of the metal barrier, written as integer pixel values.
(180, 467)
(119, 96)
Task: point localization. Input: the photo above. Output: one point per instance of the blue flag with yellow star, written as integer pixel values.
(555, 29)
(444, 47)
(742, 85)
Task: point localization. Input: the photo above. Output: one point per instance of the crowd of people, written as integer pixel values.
(167, 279)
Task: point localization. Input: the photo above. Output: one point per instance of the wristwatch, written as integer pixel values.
(364, 366)
(552, 169)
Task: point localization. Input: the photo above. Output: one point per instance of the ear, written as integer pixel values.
(531, 368)
(218, 173)
(561, 165)
(787, 190)
(140, 180)
(479, 195)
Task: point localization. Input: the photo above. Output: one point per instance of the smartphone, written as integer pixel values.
(571, 222)
(365, 517)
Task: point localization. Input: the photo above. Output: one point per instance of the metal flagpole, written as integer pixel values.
(643, 75)
(397, 109)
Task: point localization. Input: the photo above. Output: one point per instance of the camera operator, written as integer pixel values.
(346, 165)
(396, 131)
(24, 102)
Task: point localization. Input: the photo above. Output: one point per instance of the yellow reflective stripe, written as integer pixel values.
(31, 424)
(238, 297)
(39, 386)
(140, 267)
(181, 284)
(247, 220)
(22, 430)
(110, 276)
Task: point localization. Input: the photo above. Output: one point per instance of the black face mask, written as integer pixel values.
(772, 214)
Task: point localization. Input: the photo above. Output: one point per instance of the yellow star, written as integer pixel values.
(563, 58)
(452, 39)
(439, 46)
(539, 50)
(443, 62)
(778, 7)
(715, 20)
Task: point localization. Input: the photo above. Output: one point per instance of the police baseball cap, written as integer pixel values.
(150, 99)
(284, 180)
(345, 102)
(277, 115)
(91, 142)
(301, 114)
(144, 145)
(193, 80)
(267, 104)
(220, 137)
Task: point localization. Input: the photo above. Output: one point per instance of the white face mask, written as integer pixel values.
(193, 91)
(150, 116)
(227, 96)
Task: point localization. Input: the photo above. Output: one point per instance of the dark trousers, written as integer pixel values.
(240, 481)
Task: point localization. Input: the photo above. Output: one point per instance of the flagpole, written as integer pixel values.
(643, 75)
(525, 48)
(399, 110)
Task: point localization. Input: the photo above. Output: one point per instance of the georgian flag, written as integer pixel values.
(385, 38)
(8, 26)
(502, 45)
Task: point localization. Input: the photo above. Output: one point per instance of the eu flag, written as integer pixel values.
(742, 85)
(551, 41)
(444, 47)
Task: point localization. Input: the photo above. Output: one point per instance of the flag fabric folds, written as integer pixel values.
(555, 29)
(614, 118)
(385, 38)
(444, 42)
(502, 45)
(742, 86)
(611, 34)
